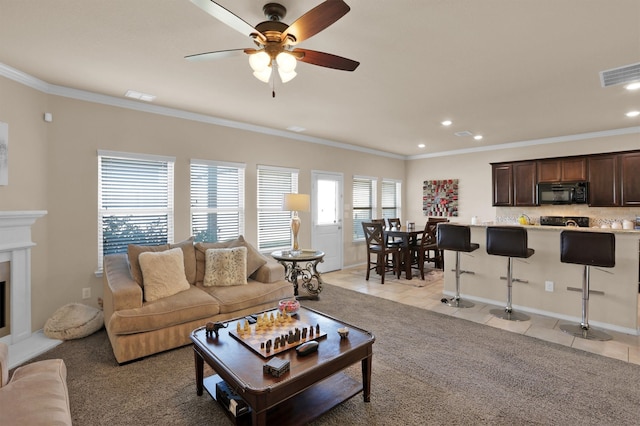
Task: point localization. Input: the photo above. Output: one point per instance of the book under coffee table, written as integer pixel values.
(314, 384)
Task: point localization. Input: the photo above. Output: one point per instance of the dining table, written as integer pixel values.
(409, 238)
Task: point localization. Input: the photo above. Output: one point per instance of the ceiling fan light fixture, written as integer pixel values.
(264, 75)
(260, 61)
(286, 62)
(286, 76)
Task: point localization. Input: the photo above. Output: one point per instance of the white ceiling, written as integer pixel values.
(511, 70)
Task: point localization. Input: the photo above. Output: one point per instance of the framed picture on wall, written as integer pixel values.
(440, 197)
(4, 154)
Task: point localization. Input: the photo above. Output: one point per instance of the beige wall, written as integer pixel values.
(23, 108)
(474, 172)
(53, 167)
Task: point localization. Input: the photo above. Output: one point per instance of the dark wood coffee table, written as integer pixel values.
(315, 383)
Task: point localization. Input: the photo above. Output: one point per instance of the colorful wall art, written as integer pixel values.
(440, 197)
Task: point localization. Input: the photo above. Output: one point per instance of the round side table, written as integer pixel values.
(301, 270)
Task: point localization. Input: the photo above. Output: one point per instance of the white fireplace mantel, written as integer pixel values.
(15, 247)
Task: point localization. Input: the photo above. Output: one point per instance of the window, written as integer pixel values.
(135, 201)
(364, 203)
(217, 200)
(391, 190)
(274, 224)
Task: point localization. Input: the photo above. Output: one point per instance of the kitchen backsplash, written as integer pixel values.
(598, 215)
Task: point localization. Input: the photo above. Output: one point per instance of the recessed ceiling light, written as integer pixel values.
(447, 123)
(633, 113)
(633, 86)
(421, 145)
(140, 96)
(296, 129)
(478, 137)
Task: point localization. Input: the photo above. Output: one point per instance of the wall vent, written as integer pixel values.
(621, 75)
(464, 133)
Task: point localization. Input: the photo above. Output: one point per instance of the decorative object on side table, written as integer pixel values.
(296, 203)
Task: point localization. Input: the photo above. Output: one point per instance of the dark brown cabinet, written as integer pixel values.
(614, 178)
(604, 186)
(502, 185)
(514, 184)
(630, 179)
(562, 170)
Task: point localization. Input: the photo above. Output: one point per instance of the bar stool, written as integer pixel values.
(588, 249)
(456, 238)
(511, 242)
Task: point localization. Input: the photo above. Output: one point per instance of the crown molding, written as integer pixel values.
(83, 95)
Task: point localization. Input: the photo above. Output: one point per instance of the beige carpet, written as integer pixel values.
(427, 369)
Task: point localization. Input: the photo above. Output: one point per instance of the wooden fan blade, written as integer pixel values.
(220, 54)
(316, 20)
(228, 18)
(326, 60)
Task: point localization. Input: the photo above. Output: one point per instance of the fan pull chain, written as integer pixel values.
(273, 85)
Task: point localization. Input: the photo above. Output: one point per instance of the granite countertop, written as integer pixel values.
(555, 228)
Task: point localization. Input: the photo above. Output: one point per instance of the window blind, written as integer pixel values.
(135, 202)
(363, 204)
(390, 198)
(274, 224)
(217, 200)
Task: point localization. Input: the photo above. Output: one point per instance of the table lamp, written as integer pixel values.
(296, 203)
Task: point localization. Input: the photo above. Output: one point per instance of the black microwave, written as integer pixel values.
(563, 193)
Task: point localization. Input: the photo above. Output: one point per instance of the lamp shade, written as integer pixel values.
(296, 202)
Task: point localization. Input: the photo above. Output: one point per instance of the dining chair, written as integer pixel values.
(394, 223)
(384, 254)
(420, 252)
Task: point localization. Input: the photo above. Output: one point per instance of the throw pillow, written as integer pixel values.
(201, 255)
(163, 273)
(226, 267)
(188, 253)
(254, 258)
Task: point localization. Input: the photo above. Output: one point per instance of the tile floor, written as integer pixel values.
(624, 347)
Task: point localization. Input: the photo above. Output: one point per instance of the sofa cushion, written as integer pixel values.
(189, 305)
(226, 267)
(201, 250)
(232, 299)
(188, 253)
(73, 321)
(163, 274)
(254, 258)
(36, 395)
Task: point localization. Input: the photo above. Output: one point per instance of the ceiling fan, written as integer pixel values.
(276, 40)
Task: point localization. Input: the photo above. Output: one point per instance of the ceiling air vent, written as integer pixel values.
(621, 75)
(465, 133)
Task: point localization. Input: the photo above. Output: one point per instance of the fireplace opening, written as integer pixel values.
(5, 330)
(3, 302)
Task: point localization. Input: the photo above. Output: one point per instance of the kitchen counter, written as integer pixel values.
(616, 310)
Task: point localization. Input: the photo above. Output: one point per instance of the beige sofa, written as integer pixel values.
(138, 327)
(36, 394)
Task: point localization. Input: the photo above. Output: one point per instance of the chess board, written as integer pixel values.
(254, 339)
